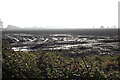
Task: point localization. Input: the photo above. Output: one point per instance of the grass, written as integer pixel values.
(57, 64)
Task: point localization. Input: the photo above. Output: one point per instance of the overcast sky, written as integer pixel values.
(59, 13)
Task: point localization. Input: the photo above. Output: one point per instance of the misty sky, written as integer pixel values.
(59, 13)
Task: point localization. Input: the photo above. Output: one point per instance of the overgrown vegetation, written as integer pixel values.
(41, 64)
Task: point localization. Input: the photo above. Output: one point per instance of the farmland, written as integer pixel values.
(66, 55)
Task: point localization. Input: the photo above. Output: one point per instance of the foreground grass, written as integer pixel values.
(55, 64)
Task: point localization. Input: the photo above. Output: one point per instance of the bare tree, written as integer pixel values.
(1, 24)
(101, 27)
(114, 26)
